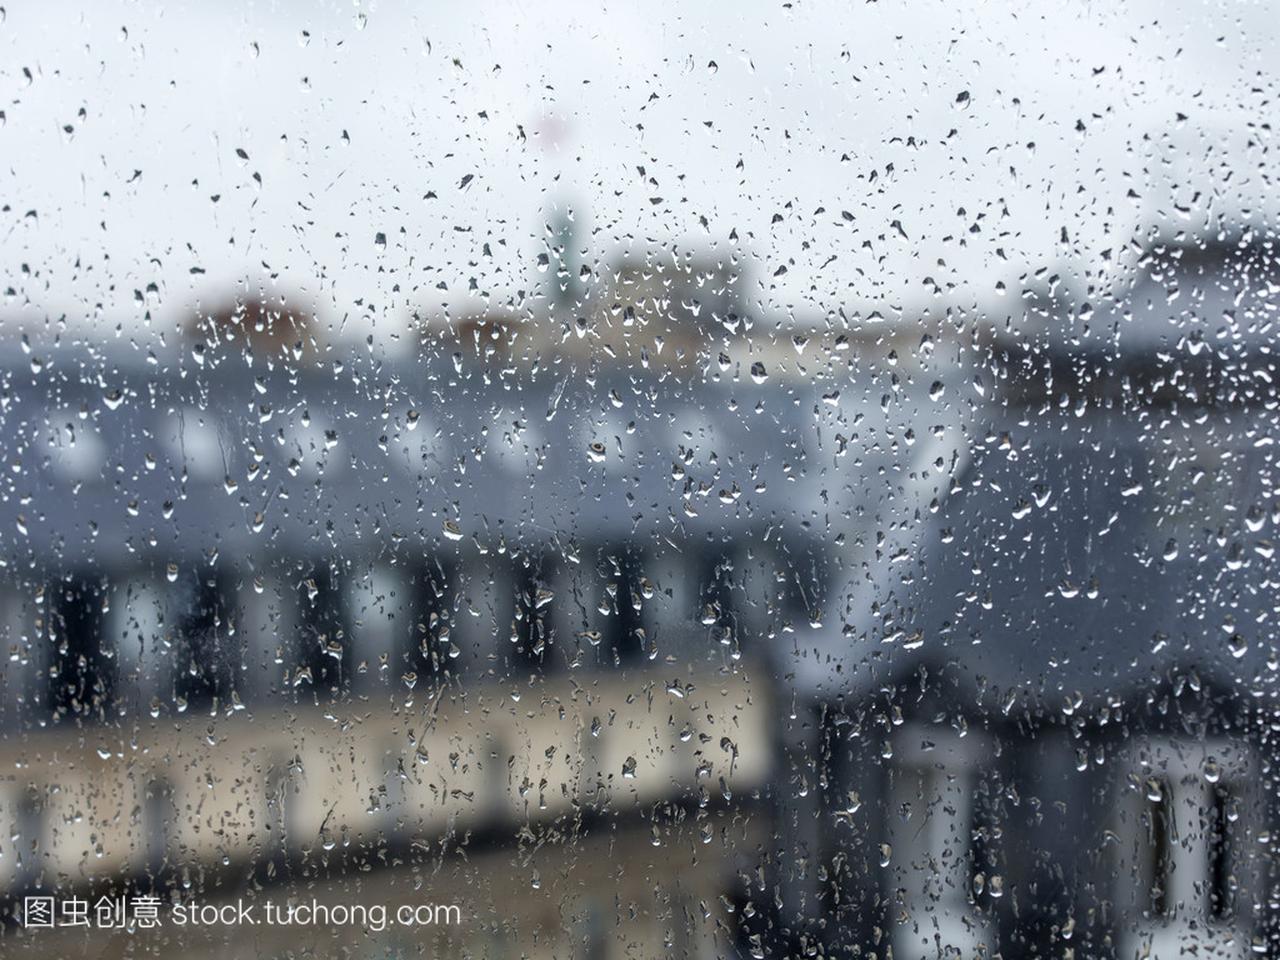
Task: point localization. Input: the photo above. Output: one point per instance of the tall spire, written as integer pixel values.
(564, 257)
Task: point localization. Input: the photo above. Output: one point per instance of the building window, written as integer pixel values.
(204, 669)
(82, 675)
(1224, 814)
(323, 657)
(930, 854)
(1186, 822)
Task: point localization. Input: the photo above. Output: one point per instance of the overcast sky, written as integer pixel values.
(874, 151)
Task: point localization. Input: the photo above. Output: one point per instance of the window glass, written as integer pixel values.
(614, 482)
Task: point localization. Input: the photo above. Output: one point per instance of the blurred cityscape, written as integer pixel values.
(633, 633)
(554, 482)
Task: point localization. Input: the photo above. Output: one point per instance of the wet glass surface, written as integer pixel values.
(627, 482)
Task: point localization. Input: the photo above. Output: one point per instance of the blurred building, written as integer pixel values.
(1058, 737)
(280, 626)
